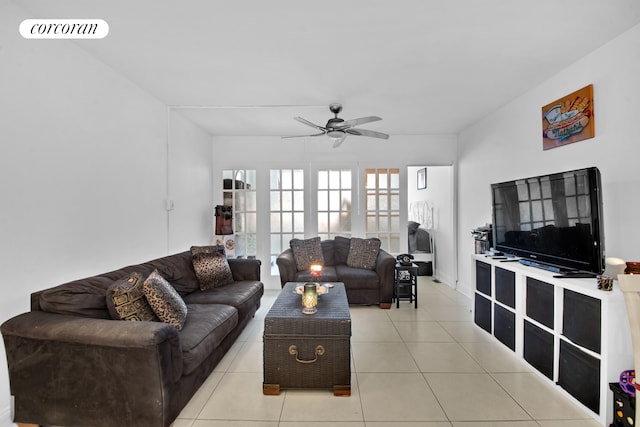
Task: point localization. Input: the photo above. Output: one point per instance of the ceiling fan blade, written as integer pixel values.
(365, 132)
(304, 136)
(308, 123)
(360, 121)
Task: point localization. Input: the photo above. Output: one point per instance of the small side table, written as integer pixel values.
(405, 285)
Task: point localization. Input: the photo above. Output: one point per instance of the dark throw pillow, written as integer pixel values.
(212, 269)
(165, 300)
(307, 252)
(126, 300)
(363, 253)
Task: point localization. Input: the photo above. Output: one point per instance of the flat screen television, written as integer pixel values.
(554, 220)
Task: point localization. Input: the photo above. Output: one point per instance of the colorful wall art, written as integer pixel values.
(569, 119)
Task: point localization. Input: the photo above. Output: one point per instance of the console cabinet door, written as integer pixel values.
(538, 348)
(506, 287)
(483, 277)
(540, 302)
(482, 313)
(581, 320)
(504, 328)
(579, 374)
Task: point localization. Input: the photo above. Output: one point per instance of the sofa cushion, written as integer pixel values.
(341, 250)
(165, 301)
(176, 269)
(243, 295)
(307, 252)
(205, 328)
(363, 253)
(358, 278)
(212, 269)
(126, 300)
(86, 297)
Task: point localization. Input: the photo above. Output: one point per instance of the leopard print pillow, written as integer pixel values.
(165, 300)
(126, 300)
(212, 270)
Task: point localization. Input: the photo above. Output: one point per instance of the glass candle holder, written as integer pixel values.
(309, 298)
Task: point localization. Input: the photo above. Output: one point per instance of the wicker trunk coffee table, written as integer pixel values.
(310, 351)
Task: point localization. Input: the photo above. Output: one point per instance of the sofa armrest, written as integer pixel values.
(385, 268)
(41, 325)
(286, 266)
(67, 366)
(245, 269)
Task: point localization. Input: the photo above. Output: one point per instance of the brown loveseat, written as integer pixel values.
(71, 365)
(367, 286)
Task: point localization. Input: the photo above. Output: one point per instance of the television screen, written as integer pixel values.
(553, 219)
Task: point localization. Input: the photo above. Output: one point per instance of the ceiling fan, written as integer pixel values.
(337, 129)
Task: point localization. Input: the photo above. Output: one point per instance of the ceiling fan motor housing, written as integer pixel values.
(335, 108)
(334, 123)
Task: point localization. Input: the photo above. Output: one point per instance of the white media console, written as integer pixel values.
(574, 335)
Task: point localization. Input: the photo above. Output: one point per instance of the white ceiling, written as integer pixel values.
(247, 67)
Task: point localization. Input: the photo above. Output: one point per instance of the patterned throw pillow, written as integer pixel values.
(126, 300)
(165, 301)
(363, 253)
(212, 269)
(307, 252)
(203, 266)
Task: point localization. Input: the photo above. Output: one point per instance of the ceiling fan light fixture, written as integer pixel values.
(336, 135)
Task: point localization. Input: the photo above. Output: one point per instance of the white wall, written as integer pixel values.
(189, 172)
(264, 153)
(440, 194)
(83, 171)
(508, 145)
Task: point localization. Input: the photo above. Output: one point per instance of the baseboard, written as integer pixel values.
(449, 281)
(443, 278)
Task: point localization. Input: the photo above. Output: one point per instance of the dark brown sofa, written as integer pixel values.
(71, 365)
(363, 286)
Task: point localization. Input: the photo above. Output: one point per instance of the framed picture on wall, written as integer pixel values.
(422, 178)
(568, 119)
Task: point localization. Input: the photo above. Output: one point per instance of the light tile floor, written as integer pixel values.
(428, 367)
